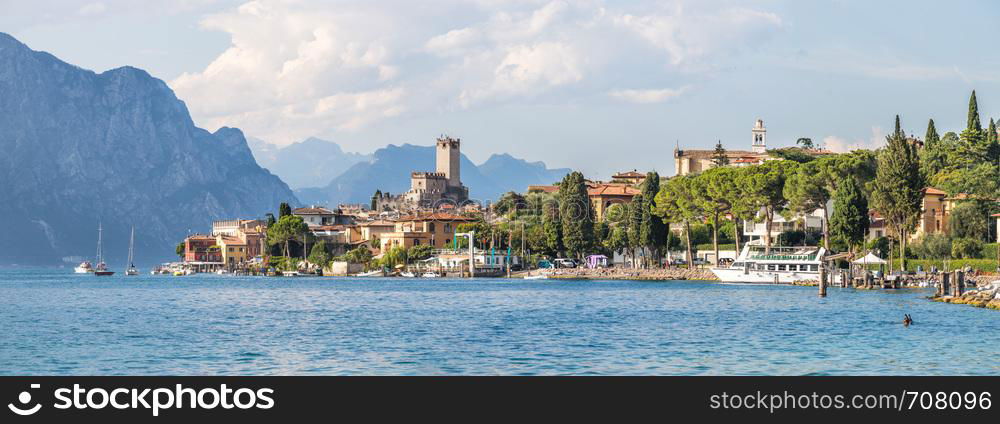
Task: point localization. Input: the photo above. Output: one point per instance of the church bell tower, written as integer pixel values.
(759, 137)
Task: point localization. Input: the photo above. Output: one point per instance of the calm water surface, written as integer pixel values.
(55, 322)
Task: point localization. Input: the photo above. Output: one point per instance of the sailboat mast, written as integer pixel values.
(99, 231)
(131, 244)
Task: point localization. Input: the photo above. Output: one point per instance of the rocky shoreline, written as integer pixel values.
(657, 274)
(986, 296)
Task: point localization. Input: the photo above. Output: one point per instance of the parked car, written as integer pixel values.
(678, 262)
(565, 263)
(700, 261)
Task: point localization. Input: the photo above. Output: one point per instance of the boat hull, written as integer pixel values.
(730, 275)
(80, 270)
(104, 273)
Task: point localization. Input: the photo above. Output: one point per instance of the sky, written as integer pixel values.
(595, 85)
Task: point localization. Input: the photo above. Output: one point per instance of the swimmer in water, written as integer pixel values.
(907, 320)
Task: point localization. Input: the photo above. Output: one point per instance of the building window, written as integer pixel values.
(430, 227)
(416, 242)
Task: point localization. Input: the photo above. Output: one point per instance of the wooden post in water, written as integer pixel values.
(960, 284)
(943, 285)
(822, 281)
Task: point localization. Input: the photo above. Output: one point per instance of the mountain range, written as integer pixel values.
(390, 167)
(116, 149)
(312, 162)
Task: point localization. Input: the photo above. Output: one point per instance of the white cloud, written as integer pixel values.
(843, 145)
(648, 96)
(93, 9)
(298, 69)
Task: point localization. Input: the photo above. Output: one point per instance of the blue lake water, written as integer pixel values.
(55, 322)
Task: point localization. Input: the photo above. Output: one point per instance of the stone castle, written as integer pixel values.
(432, 189)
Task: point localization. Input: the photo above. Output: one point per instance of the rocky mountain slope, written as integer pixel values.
(309, 163)
(118, 148)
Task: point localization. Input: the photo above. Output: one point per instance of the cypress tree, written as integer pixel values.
(657, 231)
(575, 212)
(552, 227)
(849, 222)
(635, 224)
(975, 149)
(932, 137)
(284, 209)
(898, 187)
(992, 143)
(973, 118)
(719, 158)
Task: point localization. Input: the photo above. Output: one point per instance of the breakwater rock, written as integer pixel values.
(986, 296)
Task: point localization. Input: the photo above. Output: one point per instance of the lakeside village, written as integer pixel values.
(916, 212)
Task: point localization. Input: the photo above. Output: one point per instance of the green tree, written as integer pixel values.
(576, 215)
(808, 190)
(934, 155)
(181, 247)
(678, 201)
(806, 143)
(898, 187)
(358, 255)
(270, 220)
(319, 254)
(970, 219)
(719, 158)
(849, 223)
(552, 227)
(510, 202)
(420, 252)
(285, 230)
(284, 209)
(617, 241)
(966, 248)
(655, 233)
(764, 189)
(717, 193)
(637, 225)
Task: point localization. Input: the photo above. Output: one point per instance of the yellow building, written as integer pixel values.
(234, 250)
(436, 229)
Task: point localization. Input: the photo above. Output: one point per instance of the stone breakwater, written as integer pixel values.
(652, 274)
(986, 296)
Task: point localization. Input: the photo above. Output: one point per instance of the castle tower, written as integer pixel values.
(448, 157)
(759, 137)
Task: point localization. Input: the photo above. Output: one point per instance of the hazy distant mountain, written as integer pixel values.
(390, 167)
(517, 174)
(309, 163)
(116, 147)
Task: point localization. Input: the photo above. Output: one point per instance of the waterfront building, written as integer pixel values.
(202, 249)
(434, 229)
(604, 195)
(317, 216)
(934, 213)
(233, 250)
(251, 232)
(809, 223)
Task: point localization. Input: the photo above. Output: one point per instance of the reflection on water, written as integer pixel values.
(60, 323)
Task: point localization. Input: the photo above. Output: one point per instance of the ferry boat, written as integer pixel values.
(780, 265)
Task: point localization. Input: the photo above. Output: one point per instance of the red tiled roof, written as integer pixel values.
(312, 211)
(611, 189)
(544, 188)
(932, 190)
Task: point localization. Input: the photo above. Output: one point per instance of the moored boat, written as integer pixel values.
(777, 265)
(430, 275)
(131, 270)
(101, 269)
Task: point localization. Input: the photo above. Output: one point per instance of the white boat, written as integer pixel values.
(430, 275)
(131, 270)
(780, 265)
(83, 268)
(221, 271)
(407, 274)
(536, 277)
(289, 273)
(378, 273)
(101, 269)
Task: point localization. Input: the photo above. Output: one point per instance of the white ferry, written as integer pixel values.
(782, 265)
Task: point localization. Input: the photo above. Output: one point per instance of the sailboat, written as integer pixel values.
(131, 270)
(101, 269)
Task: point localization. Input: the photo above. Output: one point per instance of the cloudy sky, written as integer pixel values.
(594, 85)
